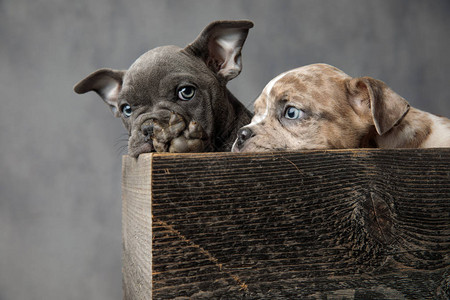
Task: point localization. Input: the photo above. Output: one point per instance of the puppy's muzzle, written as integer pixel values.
(243, 135)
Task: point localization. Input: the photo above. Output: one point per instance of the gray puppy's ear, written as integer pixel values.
(220, 44)
(372, 97)
(107, 83)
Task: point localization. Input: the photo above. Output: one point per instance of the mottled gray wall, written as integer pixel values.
(60, 159)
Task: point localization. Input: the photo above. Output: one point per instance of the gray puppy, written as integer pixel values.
(175, 100)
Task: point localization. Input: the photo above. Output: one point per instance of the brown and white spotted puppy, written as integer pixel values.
(320, 107)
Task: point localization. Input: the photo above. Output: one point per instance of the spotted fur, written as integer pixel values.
(339, 112)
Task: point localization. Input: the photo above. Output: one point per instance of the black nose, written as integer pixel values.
(244, 134)
(147, 129)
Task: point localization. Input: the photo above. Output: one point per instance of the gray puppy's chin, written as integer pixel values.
(145, 147)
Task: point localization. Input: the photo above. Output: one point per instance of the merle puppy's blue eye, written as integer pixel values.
(126, 110)
(293, 113)
(186, 93)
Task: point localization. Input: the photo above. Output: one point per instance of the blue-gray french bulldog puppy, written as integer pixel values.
(175, 99)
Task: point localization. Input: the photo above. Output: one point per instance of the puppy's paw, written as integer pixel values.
(194, 139)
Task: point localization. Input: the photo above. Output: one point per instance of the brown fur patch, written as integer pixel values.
(412, 131)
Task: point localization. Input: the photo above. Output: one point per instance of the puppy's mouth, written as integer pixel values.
(244, 135)
(235, 148)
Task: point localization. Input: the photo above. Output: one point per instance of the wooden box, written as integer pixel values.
(332, 224)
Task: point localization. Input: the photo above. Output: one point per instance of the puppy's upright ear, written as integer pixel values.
(220, 44)
(107, 83)
(373, 99)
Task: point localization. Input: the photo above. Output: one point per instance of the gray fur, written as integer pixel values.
(150, 86)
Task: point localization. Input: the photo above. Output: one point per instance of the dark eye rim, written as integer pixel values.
(182, 97)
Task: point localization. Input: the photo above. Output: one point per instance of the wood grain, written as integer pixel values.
(137, 228)
(353, 224)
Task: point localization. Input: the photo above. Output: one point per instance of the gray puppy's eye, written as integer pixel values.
(126, 110)
(186, 93)
(293, 113)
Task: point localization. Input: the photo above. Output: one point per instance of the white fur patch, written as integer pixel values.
(267, 90)
(440, 133)
(258, 118)
(271, 83)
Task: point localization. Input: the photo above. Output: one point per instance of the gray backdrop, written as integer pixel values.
(60, 153)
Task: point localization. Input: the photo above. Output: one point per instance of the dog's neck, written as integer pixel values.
(233, 116)
(412, 132)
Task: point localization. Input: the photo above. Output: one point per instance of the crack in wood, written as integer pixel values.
(242, 285)
(300, 171)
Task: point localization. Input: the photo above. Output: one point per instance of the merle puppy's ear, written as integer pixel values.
(107, 83)
(220, 44)
(374, 99)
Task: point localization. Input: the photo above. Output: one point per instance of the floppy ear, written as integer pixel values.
(371, 97)
(220, 44)
(107, 83)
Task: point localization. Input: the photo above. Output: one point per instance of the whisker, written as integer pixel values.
(122, 150)
(120, 141)
(123, 137)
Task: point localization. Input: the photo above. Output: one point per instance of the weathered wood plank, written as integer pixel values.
(137, 228)
(363, 224)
